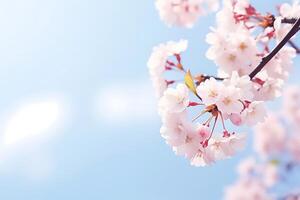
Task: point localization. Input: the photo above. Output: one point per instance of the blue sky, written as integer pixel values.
(86, 60)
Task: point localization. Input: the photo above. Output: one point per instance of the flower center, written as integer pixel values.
(212, 94)
(243, 46)
(227, 101)
(231, 57)
(188, 139)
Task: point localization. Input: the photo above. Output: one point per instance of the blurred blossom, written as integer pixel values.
(291, 104)
(269, 140)
(250, 189)
(277, 144)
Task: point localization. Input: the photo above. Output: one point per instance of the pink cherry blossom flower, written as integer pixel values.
(233, 51)
(229, 100)
(290, 11)
(190, 146)
(203, 132)
(158, 61)
(175, 100)
(210, 91)
(243, 83)
(176, 128)
(227, 146)
(254, 113)
(203, 157)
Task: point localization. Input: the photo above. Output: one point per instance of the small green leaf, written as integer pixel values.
(189, 82)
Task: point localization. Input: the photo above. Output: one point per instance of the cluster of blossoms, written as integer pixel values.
(184, 13)
(230, 99)
(277, 143)
(242, 37)
(255, 181)
(240, 41)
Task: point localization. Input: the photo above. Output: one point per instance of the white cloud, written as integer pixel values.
(127, 102)
(29, 128)
(31, 120)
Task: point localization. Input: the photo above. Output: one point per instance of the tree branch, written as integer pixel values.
(217, 78)
(269, 57)
(289, 20)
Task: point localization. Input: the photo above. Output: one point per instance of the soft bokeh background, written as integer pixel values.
(78, 114)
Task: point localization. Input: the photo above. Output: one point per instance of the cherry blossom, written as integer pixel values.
(184, 13)
(194, 141)
(229, 103)
(175, 100)
(255, 112)
(175, 128)
(290, 11)
(227, 146)
(159, 62)
(242, 83)
(233, 51)
(210, 91)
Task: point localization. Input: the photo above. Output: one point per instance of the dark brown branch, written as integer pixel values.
(289, 20)
(217, 78)
(269, 57)
(201, 78)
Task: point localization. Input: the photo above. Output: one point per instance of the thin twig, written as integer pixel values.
(217, 78)
(269, 57)
(294, 46)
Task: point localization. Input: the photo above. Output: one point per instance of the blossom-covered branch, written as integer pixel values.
(285, 40)
(196, 112)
